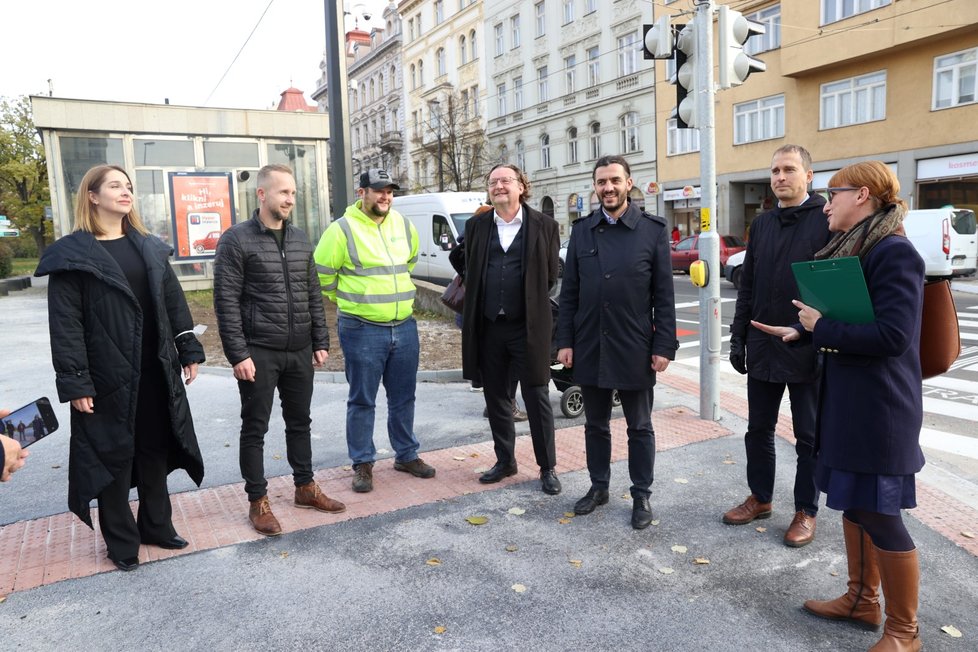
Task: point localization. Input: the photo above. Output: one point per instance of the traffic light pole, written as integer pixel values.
(709, 242)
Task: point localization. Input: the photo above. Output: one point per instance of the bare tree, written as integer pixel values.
(455, 140)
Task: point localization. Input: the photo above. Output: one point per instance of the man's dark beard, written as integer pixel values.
(276, 214)
(618, 198)
(377, 212)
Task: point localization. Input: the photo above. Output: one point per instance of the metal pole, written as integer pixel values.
(441, 160)
(709, 242)
(340, 153)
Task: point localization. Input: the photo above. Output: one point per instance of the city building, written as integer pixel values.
(852, 80)
(567, 84)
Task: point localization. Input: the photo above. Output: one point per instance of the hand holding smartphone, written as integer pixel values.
(30, 423)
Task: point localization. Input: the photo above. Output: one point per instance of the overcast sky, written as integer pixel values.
(145, 51)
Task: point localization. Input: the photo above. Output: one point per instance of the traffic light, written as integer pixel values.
(685, 79)
(735, 64)
(658, 39)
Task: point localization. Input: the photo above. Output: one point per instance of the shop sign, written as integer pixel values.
(687, 192)
(202, 207)
(950, 166)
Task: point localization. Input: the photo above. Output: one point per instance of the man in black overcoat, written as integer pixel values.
(617, 328)
(791, 232)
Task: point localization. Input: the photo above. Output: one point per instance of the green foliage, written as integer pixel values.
(6, 260)
(23, 266)
(23, 247)
(24, 188)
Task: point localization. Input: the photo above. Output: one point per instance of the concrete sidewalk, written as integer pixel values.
(403, 569)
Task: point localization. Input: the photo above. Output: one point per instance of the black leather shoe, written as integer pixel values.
(175, 543)
(592, 499)
(497, 473)
(641, 514)
(128, 564)
(549, 482)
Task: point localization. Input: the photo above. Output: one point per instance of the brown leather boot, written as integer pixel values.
(861, 604)
(310, 496)
(261, 517)
(900, 574)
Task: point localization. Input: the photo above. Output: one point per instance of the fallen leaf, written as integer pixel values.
(347, 468)
(761, 529)
(480, 470)
(477, 520)
(511, 548)
(951, 631)
(283, 554)
(626, 496)
(569, 514)
(439, 630)
(227, 445)
(473, 455)
(519, 588)
(576, 563)
(460, 458)
(55, 466)
(682, 480)
(563, 521)
(666, 571)
(276, 457)
(969, 535)
(701, 561)
(3, 599)
(654, 521)
(679, 549)
(729, 462)
(517, 511)
(834, 573)
(434, 561)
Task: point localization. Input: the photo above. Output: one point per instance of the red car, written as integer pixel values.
(686, 251)
(207, 243)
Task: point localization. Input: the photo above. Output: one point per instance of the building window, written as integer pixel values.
(954, 79)
(440, 61)
(568, 11)
(540, 14)
(518, 94)
(628, 125)
(411, 29)
(833, 10)
(395, 80)
(569, 74)
(854, 100)
(761, 119)
(501, 99)
(464, 97)
(414, 77)
(590, 6)
(474, 94)
(497, 32)
(416, 124)
(628, 54)
(463, 53)
(593, 67)
(771, 38)
(572, 145)
(520, 155)
(420, 72)
(439, 11)
(373, 90)
(544, 151)
(475, 54)
(543, 87)
(514, 30)
(594, 140)
(681, 141)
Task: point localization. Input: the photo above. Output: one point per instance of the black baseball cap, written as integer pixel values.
(377, 179)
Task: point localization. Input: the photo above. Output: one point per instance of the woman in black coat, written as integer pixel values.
(871, 405)
(120, 333)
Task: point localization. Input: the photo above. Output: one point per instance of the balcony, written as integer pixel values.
(391, 141)
(592, 93)
(623, 83)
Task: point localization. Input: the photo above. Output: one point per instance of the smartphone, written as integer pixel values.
(30, 423)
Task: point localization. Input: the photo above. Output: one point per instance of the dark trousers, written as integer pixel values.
(153, 521)
(291, 373)
(502, 356)
(763, 401)
(637, 406)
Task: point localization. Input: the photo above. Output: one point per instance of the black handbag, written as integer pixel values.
(454, 294)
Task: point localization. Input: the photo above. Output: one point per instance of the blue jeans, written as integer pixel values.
(375, 353)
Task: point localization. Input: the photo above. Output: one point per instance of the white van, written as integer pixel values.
(945, 238)
(440, 219)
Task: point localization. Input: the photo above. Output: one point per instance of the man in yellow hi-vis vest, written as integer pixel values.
(365, 260)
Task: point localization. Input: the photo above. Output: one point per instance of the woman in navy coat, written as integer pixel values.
(871, 406)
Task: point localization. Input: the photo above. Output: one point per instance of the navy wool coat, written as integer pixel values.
(871, 404)
(617, 303)
(96, 346)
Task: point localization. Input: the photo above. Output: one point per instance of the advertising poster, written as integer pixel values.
(202, 207)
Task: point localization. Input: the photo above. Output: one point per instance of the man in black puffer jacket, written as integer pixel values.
(270, 316)
(792, 232)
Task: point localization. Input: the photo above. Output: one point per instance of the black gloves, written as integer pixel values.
(738, 354)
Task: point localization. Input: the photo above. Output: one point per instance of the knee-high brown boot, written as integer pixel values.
(861, 603)
(900, 572)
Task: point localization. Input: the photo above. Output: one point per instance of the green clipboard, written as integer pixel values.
(836, 288)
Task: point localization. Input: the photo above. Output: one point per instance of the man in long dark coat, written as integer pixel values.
(510, 265)
(617, 328)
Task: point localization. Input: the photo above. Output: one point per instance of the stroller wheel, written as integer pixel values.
(572, 402)
(615, 399)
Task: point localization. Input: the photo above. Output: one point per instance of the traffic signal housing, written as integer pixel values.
(658, 40)
(735, 64)
(685, 79)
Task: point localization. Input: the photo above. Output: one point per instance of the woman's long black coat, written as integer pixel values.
(96, 344)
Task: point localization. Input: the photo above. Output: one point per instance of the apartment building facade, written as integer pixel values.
(852, 80)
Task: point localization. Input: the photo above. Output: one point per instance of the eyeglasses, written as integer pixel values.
(506, 181)
(834, 191)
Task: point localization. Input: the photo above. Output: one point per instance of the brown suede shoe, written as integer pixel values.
(261, 517)
(801, 532)
(747, 511)
(363, 481)
(310, 496)
(416, 467)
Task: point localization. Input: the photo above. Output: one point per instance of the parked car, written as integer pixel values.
(563, 258)
(686, 251)
(731, 271)
(207, 243)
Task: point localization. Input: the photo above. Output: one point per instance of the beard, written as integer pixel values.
(279, 215)
(618, 202)
(377, 212)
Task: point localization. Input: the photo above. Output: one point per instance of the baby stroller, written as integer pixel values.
(571, 400)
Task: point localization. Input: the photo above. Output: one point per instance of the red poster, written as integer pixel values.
(203, 208)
